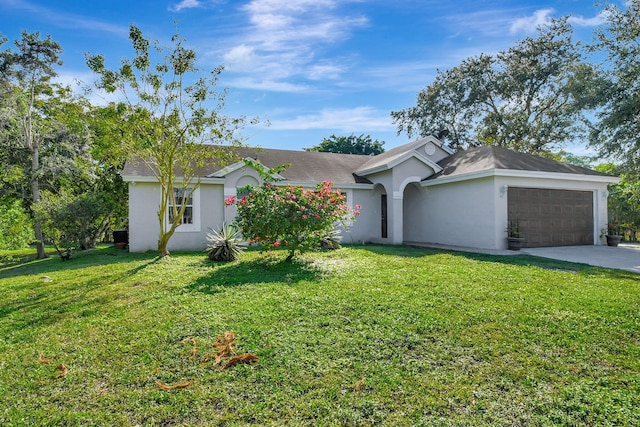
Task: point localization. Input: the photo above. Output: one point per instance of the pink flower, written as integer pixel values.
(230, 200)
(358, 207)
(276, 243)
(305, 216)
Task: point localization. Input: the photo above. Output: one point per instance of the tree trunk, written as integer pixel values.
(163, 242)
(35, 197)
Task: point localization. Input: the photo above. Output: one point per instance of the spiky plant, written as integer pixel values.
(331, 240)
(225, 243)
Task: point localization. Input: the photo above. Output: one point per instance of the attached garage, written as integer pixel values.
(482, 190)
(550, 217)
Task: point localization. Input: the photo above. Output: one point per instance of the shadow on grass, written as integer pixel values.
(41, 304)
(259, 270)
(523, 260)
(27, 264)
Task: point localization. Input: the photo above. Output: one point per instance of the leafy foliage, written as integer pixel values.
(290, 216)
(26, 74)
(71, 222)
(530, 97)
(617, 132)
(225, 243)
(624, 201)
(16, 229)
(169, 119)
(350, 145)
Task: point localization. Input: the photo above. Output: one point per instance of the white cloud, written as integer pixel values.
(490, 22)
(530, 24)
(281, 24)
(285, 39)
(185, 4)
(597, 20)
(241, 57)
(68, 20)
(347, 120)
(324, 72)
(266, 85)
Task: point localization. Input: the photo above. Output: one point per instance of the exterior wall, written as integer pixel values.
(471, 213)
(458, 213)
(211, 211)
(144, 199)
(235, 180)
(413, 209)
(366, 228)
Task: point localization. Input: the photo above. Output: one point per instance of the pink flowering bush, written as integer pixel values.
(291, 216)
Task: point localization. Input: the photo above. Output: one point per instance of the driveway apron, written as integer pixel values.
(626, 256)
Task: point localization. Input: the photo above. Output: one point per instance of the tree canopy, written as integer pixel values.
(350, 145)
(530, 97)
(26, 73)
(172, 113)
(616, 132)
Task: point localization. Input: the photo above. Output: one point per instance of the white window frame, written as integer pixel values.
(195, 209)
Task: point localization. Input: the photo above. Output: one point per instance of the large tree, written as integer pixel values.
(350, 145)
(530, 97)
(173, 112)
(617, 131)
(25, 75)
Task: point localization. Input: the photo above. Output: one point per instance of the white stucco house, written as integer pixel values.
(421, 192)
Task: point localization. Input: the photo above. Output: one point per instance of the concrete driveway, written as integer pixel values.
(626, 256)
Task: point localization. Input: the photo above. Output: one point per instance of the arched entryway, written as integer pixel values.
(412, 215)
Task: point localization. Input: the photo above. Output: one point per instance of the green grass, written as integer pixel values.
(367, 335)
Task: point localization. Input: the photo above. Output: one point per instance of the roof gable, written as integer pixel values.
(395, 156)
(237, 166)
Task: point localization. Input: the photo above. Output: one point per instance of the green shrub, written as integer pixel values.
(292, 217)
(72, 222)
(16, 227)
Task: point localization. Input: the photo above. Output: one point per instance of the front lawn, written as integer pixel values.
(366, 335)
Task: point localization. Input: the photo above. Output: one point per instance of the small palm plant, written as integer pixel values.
(331, 240)
(225, 243)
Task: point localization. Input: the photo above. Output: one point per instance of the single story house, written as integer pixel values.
(420, 192)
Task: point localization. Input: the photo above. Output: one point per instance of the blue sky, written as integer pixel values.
(312, 68)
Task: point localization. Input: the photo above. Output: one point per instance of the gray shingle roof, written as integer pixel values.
(489, 157)
(313, 166)
(309, 166)
(305, 166)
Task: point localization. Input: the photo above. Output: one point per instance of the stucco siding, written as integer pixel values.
(459, 213)
(368, 223)
(144, 199)
(211, 211)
